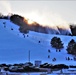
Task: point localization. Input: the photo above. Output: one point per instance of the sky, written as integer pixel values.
(42, 11)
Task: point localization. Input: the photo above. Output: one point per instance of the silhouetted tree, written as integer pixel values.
(74, 58)
(56, 43)
(71, 46)
(74, 49)
(53, 41)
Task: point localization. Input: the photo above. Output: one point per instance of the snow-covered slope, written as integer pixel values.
(15, 46)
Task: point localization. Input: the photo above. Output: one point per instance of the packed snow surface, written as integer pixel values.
(15, 46)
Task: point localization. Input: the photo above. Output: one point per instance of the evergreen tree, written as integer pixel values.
(56, 43)
(74, 49)
(72, 42)
(53, 41)
(59, 44)
(70, 46)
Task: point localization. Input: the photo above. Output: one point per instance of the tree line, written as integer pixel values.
(58, 45)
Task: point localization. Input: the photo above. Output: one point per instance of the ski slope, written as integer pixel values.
(14, 46)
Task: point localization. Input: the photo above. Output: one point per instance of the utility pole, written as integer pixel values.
(29, 56)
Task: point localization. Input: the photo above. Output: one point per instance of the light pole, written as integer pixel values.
(29, 56)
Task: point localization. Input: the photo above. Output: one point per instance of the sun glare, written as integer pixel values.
(30, 22)
(46, 19)
(42, 18)
(34, 17)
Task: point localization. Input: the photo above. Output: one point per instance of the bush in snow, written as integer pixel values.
(56, 43)
(61, 66)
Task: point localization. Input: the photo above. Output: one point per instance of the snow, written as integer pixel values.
(14, 47)
(38, 73)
